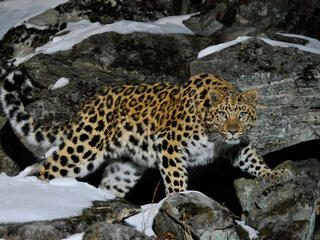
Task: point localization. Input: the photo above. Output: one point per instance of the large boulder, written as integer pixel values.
(286, 210)
(192, 215)
(288, 83)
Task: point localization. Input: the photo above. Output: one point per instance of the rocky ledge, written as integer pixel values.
(273, 211)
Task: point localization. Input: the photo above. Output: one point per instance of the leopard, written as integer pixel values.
(129, 128)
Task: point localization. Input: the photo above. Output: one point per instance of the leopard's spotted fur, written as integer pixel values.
(159, 125)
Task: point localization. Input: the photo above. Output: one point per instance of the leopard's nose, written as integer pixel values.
(233, 131)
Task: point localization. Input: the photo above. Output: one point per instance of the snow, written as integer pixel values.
(77, 236)
(143, 220)
(78, 31)
(313, 43)
(14, 12)
(253, 234)
(312, 46)
(61, 82)
(219, 47)
(25, 199)
(286, 44)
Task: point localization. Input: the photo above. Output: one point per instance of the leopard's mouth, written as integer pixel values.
(232, 140)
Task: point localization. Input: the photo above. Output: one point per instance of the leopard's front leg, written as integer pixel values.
(172, 166)
(251, 162)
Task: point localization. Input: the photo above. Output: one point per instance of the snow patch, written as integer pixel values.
(253, 234)
(312, 46)
(78, 31)
(143, 221)
(219, 47)
(286, 44)
(14, 12)
(312, 42)
(77, 236)
(29, 199)
(30, 25)
(61, 82)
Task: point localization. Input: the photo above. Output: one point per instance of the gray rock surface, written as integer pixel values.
(288, 84)
(104, 230)
(285, 210)
(113, 211)
(7, 165)
(193, 215)
(208, 23)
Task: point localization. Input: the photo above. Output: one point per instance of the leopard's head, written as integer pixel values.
(231, 115)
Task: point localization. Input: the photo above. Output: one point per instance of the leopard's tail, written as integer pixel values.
(37, 139)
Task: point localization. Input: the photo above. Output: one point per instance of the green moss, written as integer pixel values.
(289, 231)
(191, 209)
(282, 208)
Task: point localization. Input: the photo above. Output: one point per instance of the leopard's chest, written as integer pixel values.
(199, 152)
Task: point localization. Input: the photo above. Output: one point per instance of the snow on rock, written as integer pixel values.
(219, 47)
(312, 42)
(306, 48)
(253, 234)
(13, 12)
(77, 236)
(143, 221)
(78, 31)
(25, 199)
(61, 82)
(312, 46)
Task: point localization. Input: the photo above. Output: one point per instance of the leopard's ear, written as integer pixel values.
(215, 96)
(250, 97)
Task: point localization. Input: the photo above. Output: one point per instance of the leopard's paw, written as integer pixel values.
(278, 175)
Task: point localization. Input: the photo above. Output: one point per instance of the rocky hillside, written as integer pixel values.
(285, 70)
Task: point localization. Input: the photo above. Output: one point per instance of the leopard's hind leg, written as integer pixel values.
(120, 177)
(72, 159)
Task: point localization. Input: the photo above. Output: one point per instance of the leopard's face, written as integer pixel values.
(231, 116)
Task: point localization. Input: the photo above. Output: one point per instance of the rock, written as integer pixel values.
(286, 16)
(310, 167)
(104, 230)
(38, 30)
(281, 211)
(7, 165)
(208, 23)
(253, 17)
(111, 211)
(288, 83)
(192, 215)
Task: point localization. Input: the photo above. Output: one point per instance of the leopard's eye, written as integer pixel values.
(242, 114)
(222, 114)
